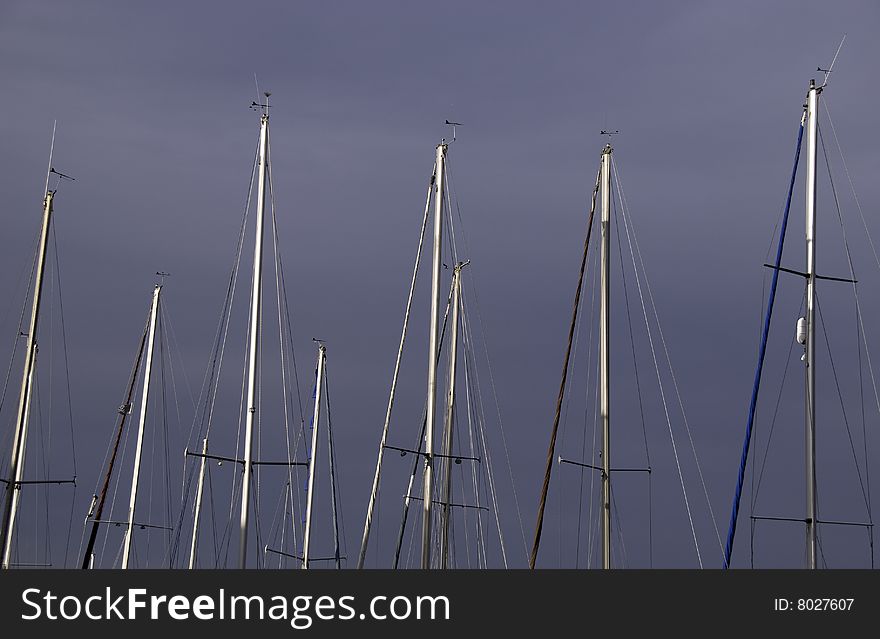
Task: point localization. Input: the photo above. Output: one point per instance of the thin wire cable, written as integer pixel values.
(843, 408)
(591, 333)
(657, 366)
(757, 486)
(857, 304)
(632, 343)
(491, 374)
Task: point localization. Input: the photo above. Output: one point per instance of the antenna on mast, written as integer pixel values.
(265, 107)
(453, 125)
(827, 72)
(62, 176)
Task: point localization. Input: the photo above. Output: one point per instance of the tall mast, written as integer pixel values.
(19, 476)
(254, 346)
(319, 380)
(604, 359)
(148, 366)
(551, 457)
(375, 491)
(16, 465)
(332, 462)
(810, 346)
(447, 429)
(198, 507)
(432, 358)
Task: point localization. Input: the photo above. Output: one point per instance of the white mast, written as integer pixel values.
(254, 347)
(198, 507)
(432, 358)
(375, 491)
(604, 359)
(331, 459)
(148, 366)
(810, 346)
(19, 475)
(447, 430)
(319, 377)
(16, 465)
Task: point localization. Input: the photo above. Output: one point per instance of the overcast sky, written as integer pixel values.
(151, 103)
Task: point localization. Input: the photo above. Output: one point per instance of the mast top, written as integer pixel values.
(61, 176)
(262, 107)
(453, 125)
(608, 133)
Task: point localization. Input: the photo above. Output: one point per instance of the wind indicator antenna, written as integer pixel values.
(61, 175)
(453, 125)
(264, 108)
(609, 133)
(827, 72)
(162, 275)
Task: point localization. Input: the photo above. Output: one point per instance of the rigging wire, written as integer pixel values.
(626, 225)
(570, 380)
(594, 521)
(172, 344)
(763, 465)
(764, 333)
(469, 414)
(866, 485)
(632, 343)
(19, 333)
(582, 470)
(281, 294)
(490, 370)
(843, 408)
(468, 341)
(553, 433)
(210, 381)
(851, 184)
(336, 490)
(375, 493)
(486, 454)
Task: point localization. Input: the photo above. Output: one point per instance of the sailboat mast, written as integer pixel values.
(810, 355)
(332, 463)
(316, 418)
(362, 556)
(604, 358)
(16, 464)
(254, 346)
(198, 507)
(432, 358)
(447, 429)
(148, 366)
(124, 412)
(19, 476)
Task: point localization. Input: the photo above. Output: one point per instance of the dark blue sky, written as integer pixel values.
(151, 103)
